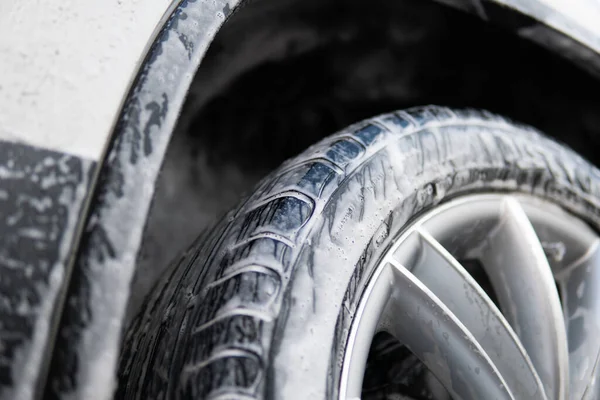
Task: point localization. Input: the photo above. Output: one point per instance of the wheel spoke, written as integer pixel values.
(367, 318)
(521, 277)
(453, 285)
(535, 348)
(580, 286)
(434, 334)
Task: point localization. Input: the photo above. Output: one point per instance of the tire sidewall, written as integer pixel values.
(371, 208)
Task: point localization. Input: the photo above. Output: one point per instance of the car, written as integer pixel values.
(300, 199)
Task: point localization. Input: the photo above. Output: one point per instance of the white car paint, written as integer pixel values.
(579, 19)
(65, 67)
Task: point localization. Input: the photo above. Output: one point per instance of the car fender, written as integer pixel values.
(93, 92)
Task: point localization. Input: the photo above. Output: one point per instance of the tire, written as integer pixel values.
(261, 306)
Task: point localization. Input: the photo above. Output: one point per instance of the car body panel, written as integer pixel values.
(576, 19)
(567, 28)
(98, 86)
(66, 67)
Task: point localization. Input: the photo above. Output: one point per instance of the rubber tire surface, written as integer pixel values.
(261, 306)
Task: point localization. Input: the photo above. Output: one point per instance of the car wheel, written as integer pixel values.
(427, 253)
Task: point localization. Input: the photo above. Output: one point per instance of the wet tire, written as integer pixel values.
(260, 307)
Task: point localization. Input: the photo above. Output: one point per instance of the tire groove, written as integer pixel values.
(244, 231)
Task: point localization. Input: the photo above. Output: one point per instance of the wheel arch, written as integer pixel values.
(92, 321)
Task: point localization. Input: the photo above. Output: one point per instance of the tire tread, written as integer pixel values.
(245, 268)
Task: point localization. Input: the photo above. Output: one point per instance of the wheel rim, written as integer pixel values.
(540, 346)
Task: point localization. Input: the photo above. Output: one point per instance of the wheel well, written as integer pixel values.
(292, 72)
(280, 75)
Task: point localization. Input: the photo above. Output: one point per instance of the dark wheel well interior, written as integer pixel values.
(282, 74)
